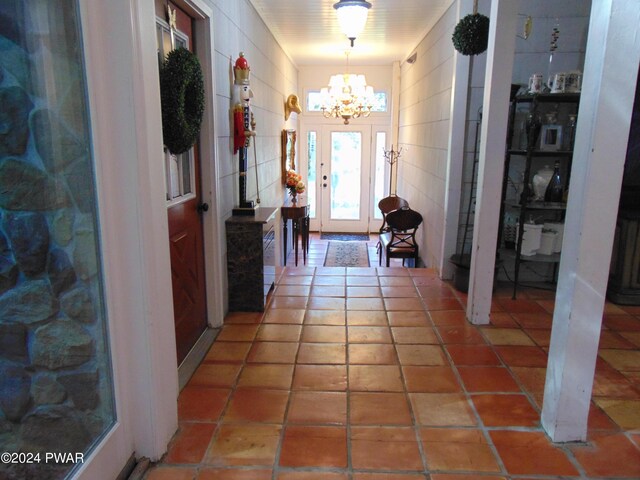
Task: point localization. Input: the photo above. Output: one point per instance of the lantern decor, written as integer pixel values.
(471, 35)
(244, 127)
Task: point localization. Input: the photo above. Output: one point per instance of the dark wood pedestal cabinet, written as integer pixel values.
(251, 267)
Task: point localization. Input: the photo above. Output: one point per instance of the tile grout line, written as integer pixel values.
(416, 425)
(276, 460)
(565, 449)
(485, 429)
(480, 425)
(348, 388)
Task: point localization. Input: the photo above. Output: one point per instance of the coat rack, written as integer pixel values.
(392, 156)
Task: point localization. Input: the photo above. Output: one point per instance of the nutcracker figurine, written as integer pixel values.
(243, 129)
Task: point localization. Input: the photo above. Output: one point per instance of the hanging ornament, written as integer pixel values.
(555, 34)
(471, 35)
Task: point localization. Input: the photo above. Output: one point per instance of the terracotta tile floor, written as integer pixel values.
(374, 374)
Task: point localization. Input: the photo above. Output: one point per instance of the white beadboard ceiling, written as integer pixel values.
(308, 30)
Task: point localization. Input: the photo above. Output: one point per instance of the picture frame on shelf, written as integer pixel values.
(550, 138)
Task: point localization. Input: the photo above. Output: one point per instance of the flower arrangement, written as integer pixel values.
(294, 183)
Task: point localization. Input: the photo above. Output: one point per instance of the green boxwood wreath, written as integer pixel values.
(471, 35)
(182, 98)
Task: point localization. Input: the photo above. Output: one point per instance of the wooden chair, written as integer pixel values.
(400, 240)
(387, 205)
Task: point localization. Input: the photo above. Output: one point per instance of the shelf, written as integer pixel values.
(553, 258)
(543, 153)
(535, 106)
(538, 257)
(539, 205)
(549, 97)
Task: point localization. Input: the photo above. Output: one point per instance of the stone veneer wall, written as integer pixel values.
(55, 380)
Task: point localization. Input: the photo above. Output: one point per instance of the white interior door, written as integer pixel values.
(344, 178)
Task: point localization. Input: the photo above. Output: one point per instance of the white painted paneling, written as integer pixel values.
(308, 29)
(239, 28)
(424, 126)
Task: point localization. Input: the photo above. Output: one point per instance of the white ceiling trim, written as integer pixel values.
(308, 30)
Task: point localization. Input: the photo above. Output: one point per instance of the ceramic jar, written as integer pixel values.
(540, 182)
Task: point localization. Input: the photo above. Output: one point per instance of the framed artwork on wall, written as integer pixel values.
(288, 152)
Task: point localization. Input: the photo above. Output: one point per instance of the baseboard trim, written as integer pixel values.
(196, 355)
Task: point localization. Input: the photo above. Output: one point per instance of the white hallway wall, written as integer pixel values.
(425, 99)
(239, 28)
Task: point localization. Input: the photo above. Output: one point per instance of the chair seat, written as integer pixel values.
(400, 240)
(385, 240)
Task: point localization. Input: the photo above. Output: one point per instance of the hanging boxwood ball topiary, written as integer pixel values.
(471, 35)
(182, 97)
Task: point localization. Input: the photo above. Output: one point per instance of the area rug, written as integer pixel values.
(347, 254)
(345, 236)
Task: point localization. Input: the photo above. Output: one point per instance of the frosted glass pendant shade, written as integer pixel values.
(352, 16)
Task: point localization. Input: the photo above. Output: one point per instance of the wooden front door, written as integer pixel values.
(184, 210)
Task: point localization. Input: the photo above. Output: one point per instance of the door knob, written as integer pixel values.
(324, 185)
(203, 207)
(324, 177)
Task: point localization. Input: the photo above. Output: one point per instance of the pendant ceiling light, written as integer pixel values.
(347, 96)
(352, 17)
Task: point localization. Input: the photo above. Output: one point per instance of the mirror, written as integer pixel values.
(288, 152)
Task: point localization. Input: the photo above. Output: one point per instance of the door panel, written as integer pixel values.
(345, 178)
(185, 221)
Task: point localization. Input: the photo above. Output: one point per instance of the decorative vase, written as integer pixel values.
(294, 194)
(554, 191)
(540, 182)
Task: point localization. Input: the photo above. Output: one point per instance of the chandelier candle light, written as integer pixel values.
(347, 96)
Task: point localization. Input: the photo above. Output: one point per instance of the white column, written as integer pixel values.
(395, 122)
(610, 76)
(455, 148)
(500, 55)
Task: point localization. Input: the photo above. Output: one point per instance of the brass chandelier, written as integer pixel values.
(347, 96)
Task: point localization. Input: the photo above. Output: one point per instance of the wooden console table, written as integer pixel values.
(251, 267)
(298, 213)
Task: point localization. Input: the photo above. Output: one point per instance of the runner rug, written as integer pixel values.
(344, 236)
(347, 254)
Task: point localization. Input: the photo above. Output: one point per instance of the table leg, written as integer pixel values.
(305, 238)
(284, 240)
(296, 231)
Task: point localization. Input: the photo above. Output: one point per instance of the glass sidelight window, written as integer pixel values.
(56, 389)
(379, 173)
(179, 172)
(346, 173)
(312, 147)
